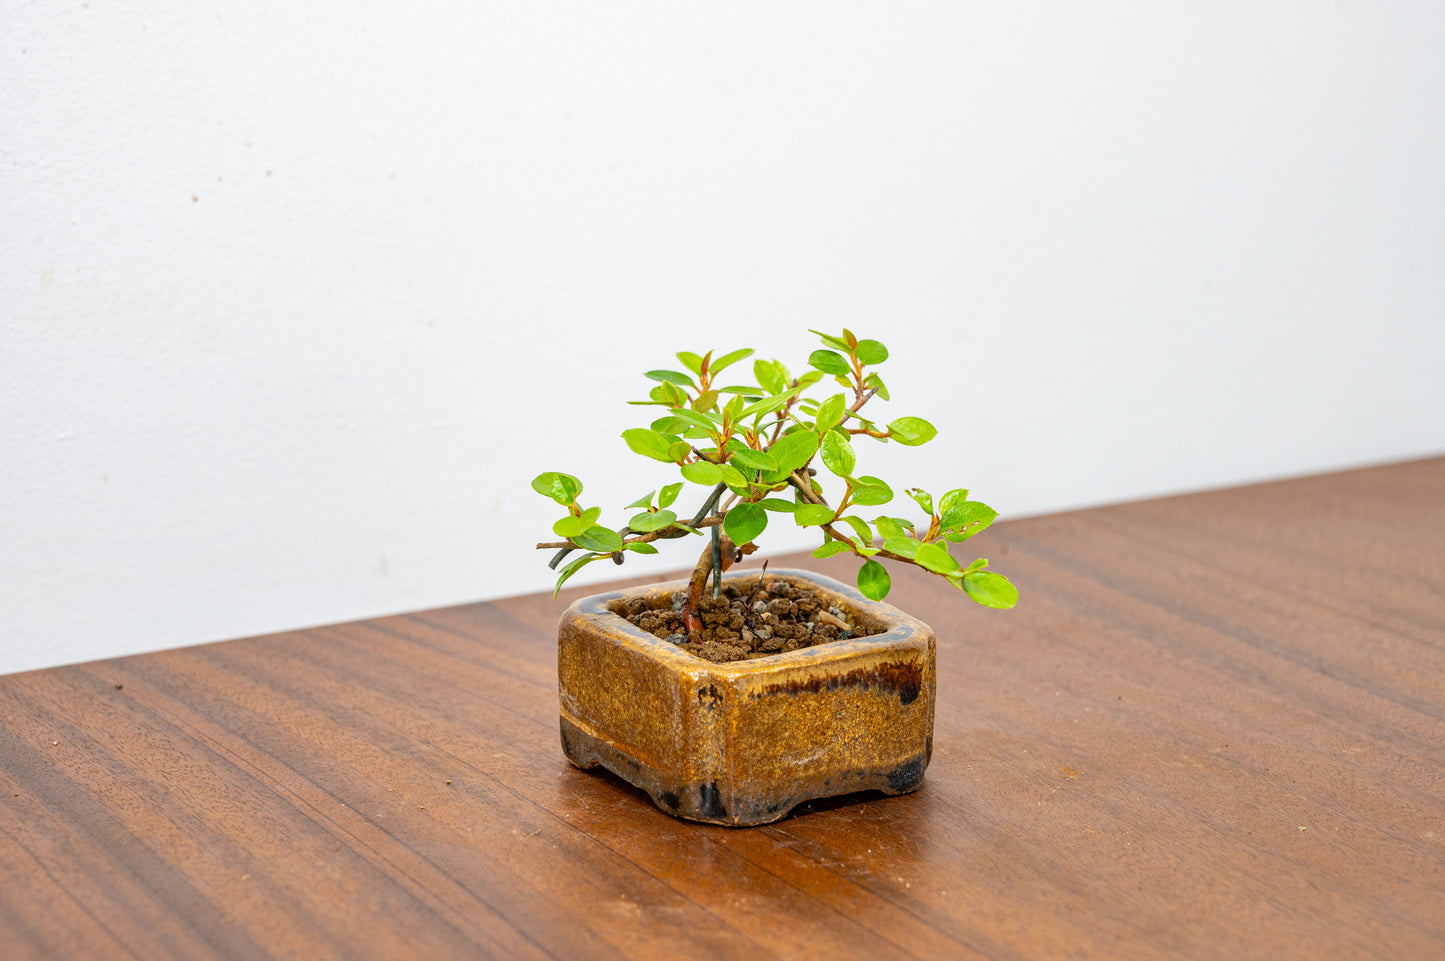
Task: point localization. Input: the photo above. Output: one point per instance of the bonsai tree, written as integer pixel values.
(753, 450)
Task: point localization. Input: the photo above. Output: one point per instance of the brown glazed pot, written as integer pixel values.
(741, 743)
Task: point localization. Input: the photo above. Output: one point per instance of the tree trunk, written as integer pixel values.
(731, 554)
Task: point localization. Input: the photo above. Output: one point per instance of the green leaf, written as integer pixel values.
(733, 408)
(670, 377)
(873, 580)
(870, 352)
(935, 557)
(771, 375)
(874, 382)
(650, 443)
(990, 589)
(744, 523)
(727, 360)
(830, 548)
(573, 568)
(830, 413)
(669, 425)
(704, 401)
(888, 526)
(829, 339)
(570, 527)
(902, 546)
(736, 480)
(810, 515)
(794, 450)
(702, 472)
(669, 394)
(970, 518)
(768, 404)
(647, 522)
(773, 480)
(911, 431)
(668, 495)
(756, 459)
(923, 499)
(860, 527)
(778, 505)
(705, 421)
(644, 501)
(600, 539)
(838, 454)
(641, 547)
(978, 565)
(810, 378)
(950, 504)
(829, 362)
(870, 491)
(690, 360)
(562, 488)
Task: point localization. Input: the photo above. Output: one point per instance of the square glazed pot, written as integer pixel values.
(742, 743)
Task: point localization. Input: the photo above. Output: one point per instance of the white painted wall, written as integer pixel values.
(296, 297)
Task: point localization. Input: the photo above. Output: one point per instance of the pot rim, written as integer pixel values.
(899, 627)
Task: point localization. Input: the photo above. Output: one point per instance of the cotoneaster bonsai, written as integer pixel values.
(730, 700)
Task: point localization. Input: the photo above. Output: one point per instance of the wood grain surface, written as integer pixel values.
(1213, 728)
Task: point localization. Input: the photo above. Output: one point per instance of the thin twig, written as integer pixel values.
(807, 491)
(667, 533)
(708, 505)
(753, 594)
(557, 558)
(701, 520)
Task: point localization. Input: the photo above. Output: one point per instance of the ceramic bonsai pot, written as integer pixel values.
(742, 743)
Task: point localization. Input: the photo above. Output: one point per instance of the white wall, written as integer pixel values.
(296, 297)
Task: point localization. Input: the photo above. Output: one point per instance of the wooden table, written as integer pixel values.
(1213, 728)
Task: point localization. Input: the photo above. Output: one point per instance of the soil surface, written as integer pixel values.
(748, 622)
